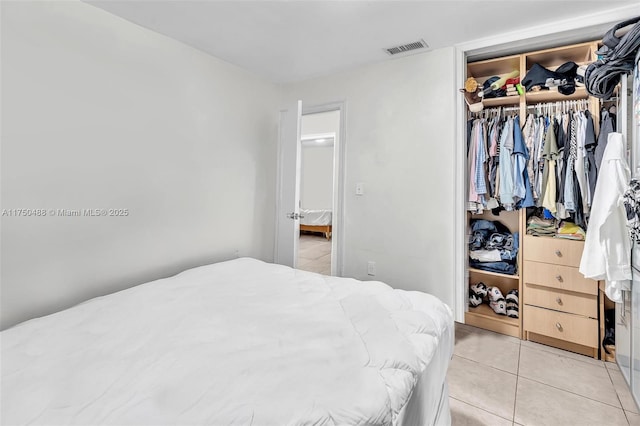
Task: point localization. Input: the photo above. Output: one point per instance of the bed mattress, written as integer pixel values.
(237, 342)
(315, 217)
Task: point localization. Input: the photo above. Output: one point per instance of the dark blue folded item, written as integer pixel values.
(499, 267)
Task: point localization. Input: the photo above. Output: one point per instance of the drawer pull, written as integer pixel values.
(558, 253)
(559, 301)
(559, 326)
(559, 278)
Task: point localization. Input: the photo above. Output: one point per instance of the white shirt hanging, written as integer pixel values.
(607, 249)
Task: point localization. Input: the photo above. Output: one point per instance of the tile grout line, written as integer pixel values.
(549, 351)
(515, 397)
(618, 396)
(487, 365)
(480, 408)
(577, 394)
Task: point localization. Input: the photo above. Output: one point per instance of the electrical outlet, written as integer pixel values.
(359, 188)
(371, 268)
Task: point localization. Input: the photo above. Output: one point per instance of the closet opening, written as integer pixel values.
(501, 55)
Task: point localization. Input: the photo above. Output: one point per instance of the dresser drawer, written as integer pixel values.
(558, 276)
(561, 300)
(553, 250)
(560, 325)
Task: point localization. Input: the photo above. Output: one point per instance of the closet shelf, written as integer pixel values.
(485, 310)
(555, 96)
(494, 274)
(483, 316)
(505, 100)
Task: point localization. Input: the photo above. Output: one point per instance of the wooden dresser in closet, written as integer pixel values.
(560, 306)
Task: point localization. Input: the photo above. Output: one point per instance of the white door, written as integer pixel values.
(288, 201)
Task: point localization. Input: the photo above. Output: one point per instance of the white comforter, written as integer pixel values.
(238, 342)
(315, 217)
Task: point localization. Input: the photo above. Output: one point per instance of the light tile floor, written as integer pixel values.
(314, 254)
(501, 380)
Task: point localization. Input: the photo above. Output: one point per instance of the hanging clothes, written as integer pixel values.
(523, 194)
(506, 166)
(581, 167)
(607, 249)
(562, 147)
(569, 190)
(590, 146)
(561, 212)
(550, 154)
(506, 163)
(473, 196)
(607, 126)
(492, 202)
(528, 134)
(539, 161)
(480, 166)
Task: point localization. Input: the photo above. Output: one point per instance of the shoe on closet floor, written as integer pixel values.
(512, 303)
(474, 299)
(494, 294)
(499, 306)
(480, 289)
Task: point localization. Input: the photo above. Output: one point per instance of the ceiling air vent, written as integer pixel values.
(420, 44)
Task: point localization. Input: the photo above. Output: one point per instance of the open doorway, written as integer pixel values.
(319, 134)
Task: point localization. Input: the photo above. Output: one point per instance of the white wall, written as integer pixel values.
(100, 113)
(316, 180)
(321, 122)
(400, 140)
(316, 177)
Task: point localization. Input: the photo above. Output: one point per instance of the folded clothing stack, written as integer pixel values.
(570, 231)
(492, 247)
(511, 86)
(541, 227)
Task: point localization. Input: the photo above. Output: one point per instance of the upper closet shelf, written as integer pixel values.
(505, 100)
(549, 59)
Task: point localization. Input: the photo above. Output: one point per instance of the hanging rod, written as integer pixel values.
(560, 106)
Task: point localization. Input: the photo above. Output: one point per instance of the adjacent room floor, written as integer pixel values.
(500, 380)
(314, 254)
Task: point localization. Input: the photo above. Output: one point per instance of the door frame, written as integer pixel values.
(339, 156)
(574, 30)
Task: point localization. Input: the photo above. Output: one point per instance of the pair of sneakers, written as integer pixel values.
(479, 292)
(500, 304)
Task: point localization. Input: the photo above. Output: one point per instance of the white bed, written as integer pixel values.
(316, 221)
(238, 342)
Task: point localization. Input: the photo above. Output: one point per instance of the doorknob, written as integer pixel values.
(294, 216)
